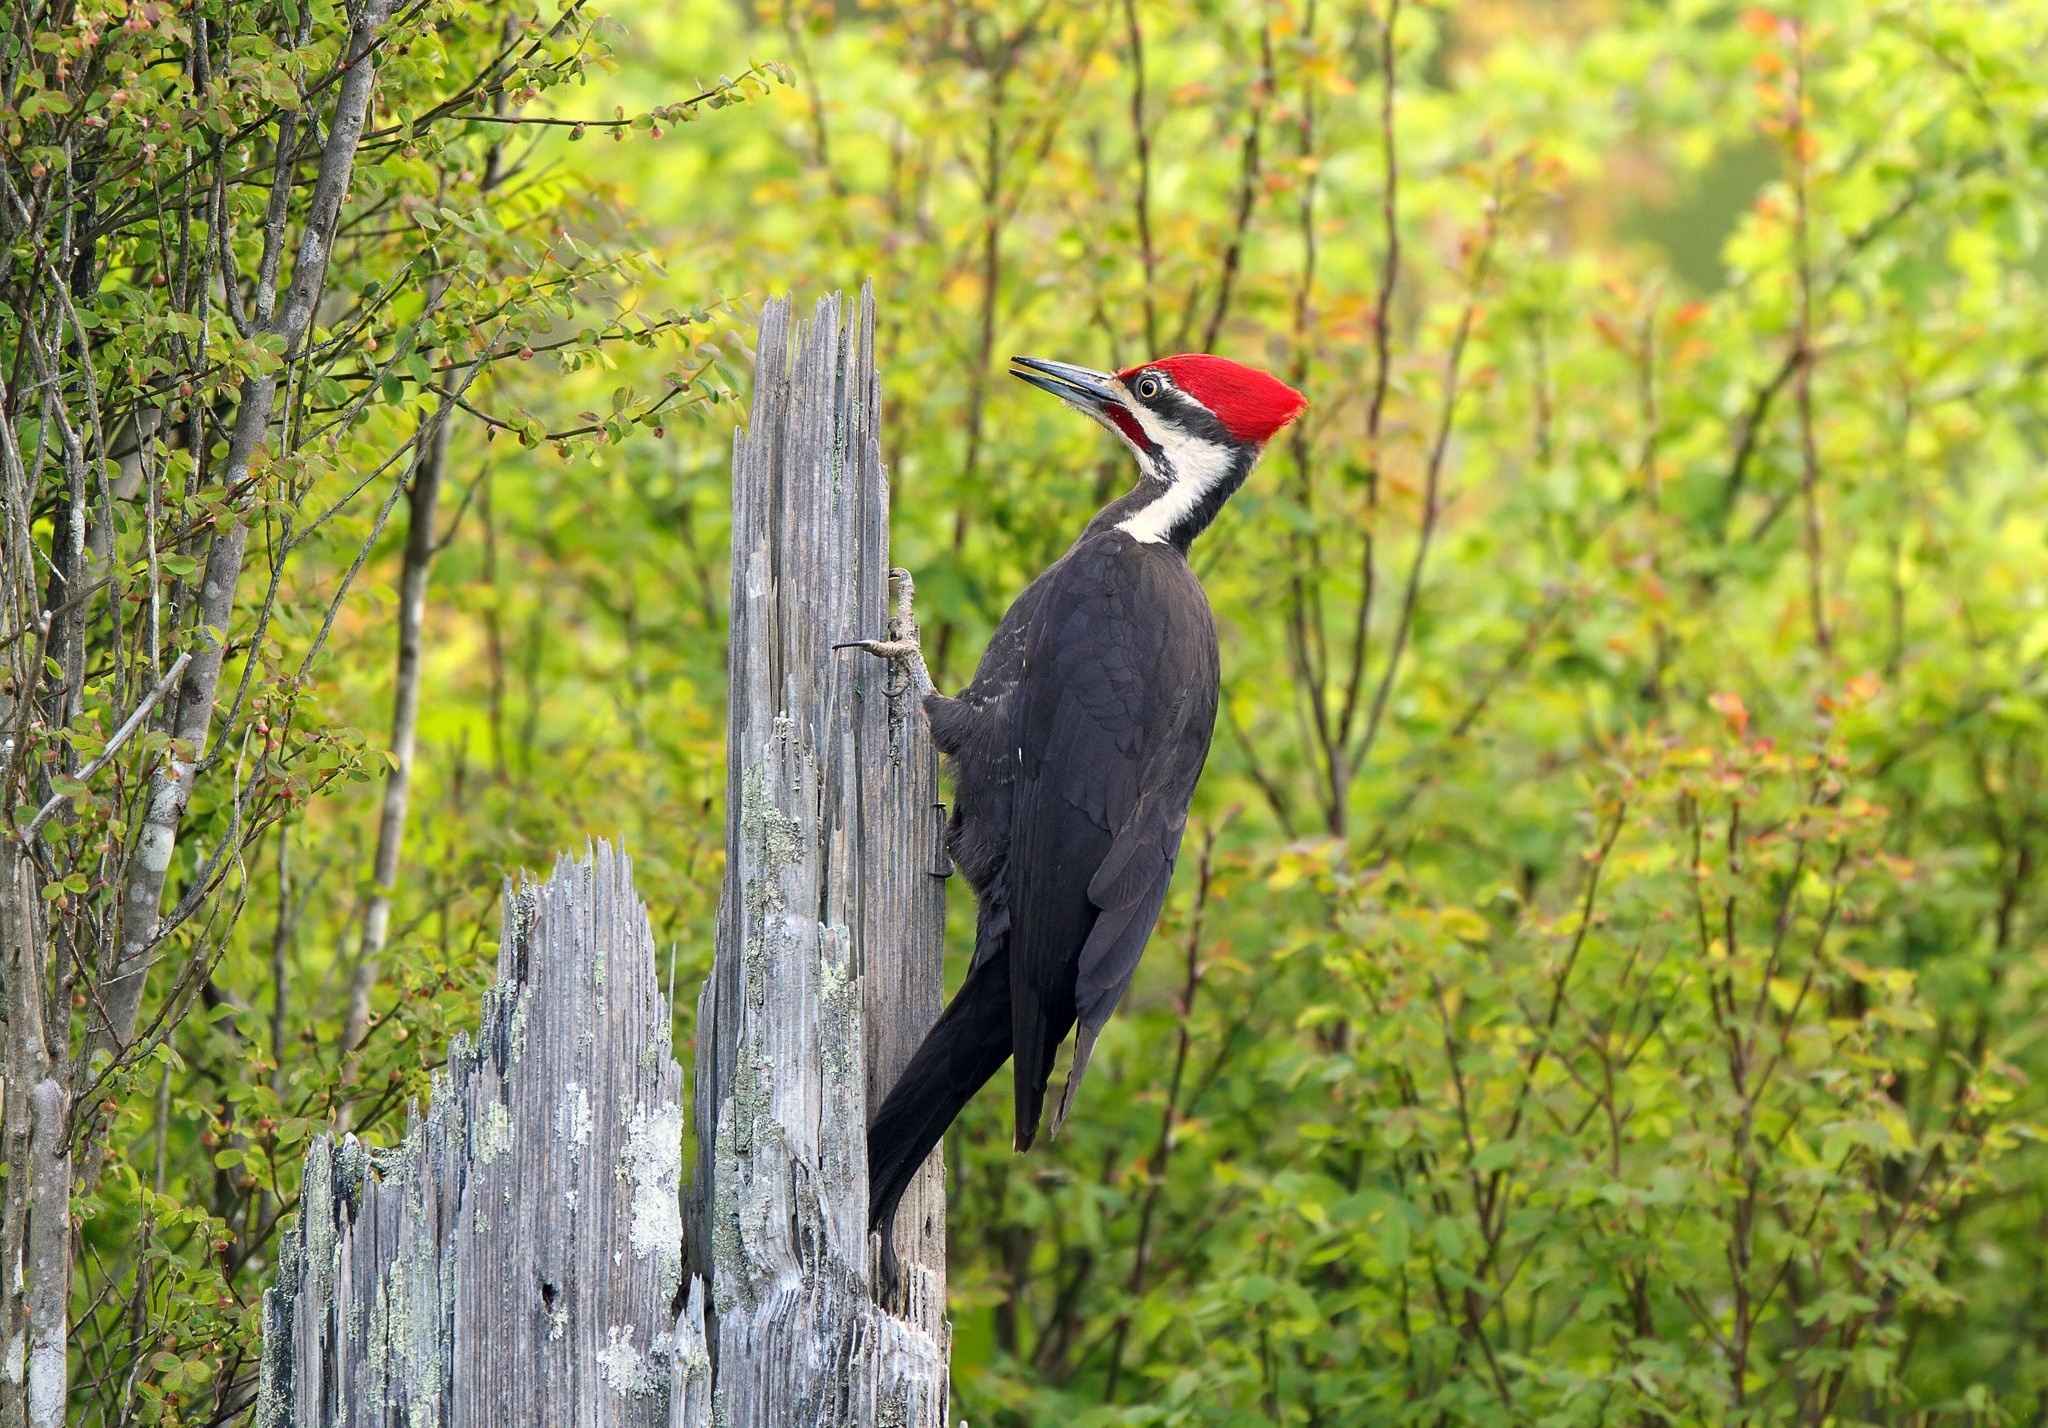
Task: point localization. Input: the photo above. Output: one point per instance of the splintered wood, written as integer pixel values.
(526, 1254)
(516, 1259)
(829, 933)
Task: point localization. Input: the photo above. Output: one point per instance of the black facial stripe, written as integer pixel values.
(1186, 413)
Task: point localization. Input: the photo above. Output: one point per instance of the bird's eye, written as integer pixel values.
(1148, 388)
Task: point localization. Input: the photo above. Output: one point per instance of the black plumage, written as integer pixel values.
(1074, 754)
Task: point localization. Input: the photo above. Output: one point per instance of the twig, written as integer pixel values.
(1809, 457)
(1248, 186)
(1432, 486)
(1390, 273)
(1142, 200)
(121, 736)
(1169, 1117)
(1307, 643)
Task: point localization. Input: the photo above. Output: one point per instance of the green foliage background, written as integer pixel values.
(1604, 983)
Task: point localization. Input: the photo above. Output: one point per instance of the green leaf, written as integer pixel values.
(1257, 1288)
(1393, 1234)
(45, 101)
(1498, 1156)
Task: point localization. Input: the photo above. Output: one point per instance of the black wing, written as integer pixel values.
(1113, 721)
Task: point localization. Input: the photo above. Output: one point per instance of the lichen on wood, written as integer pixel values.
(517, 1257)
(827, 969)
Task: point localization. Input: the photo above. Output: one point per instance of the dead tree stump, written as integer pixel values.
(525, 1255)
(828, 937)
(516, 1258)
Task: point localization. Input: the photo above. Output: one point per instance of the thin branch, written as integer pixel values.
(1142, 199)
(106, 755)
(1432, 508)
(1799, 136)
(1383, 305)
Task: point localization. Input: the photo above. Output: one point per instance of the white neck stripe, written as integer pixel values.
(1196, 468)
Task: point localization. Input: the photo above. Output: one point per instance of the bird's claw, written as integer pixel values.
(883, 649)
(901, 647)
(906, 595)
(906, 656)
(945, 868)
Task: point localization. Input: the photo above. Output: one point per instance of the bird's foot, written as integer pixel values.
(884, 649)
(901, 648)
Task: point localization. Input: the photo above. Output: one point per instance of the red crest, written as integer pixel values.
(1251, 404)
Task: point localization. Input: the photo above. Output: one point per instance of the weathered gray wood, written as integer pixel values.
(517, 1258)
(893, 789)
(828, 938)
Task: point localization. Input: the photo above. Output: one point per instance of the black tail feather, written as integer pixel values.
(967, 1044)
(1034, 1065)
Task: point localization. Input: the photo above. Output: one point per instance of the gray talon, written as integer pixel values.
(901, 647)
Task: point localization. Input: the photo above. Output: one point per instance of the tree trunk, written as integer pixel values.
(35, 1208)
(423, 501)
(831, 921)
(516, 1259)
(170, 789)
(521, 1257)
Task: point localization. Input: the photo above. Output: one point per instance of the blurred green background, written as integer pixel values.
(1603, 980)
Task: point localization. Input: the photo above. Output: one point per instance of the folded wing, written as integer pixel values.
(1113, 718)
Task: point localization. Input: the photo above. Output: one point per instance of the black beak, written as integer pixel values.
(1081, 387)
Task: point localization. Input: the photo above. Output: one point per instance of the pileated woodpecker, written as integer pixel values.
(1075, 752)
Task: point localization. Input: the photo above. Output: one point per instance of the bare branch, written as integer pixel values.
(106, 755)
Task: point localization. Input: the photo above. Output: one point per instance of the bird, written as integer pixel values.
(1074, 753)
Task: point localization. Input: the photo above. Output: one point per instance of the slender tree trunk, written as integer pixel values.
(420, 550)
(405, 716)
(170, 790)
(35, 1203)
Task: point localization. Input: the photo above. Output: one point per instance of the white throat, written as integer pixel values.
(1195, 468)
